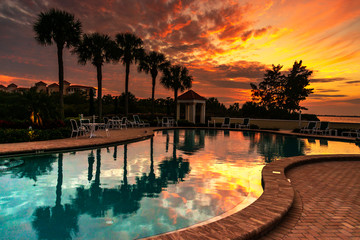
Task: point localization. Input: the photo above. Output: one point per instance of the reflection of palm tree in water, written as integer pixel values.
(273, 147)
(115, 153)
(174, 168)
(58, 222)
(91, 160)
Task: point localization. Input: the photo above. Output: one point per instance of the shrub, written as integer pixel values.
(25, 135)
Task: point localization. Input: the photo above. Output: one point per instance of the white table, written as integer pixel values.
(92, 127)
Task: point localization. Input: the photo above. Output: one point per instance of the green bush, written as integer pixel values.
(185, 123)
(25, 135)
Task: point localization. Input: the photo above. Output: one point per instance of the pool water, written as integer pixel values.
(171, 181)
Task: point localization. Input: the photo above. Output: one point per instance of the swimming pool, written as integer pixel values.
(173, 180)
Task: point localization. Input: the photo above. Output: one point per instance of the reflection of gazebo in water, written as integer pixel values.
(192, 101)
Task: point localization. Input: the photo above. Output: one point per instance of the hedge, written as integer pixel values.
(25, 135)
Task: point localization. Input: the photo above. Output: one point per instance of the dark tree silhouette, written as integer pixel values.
(98, 49)
(59, 27)
(176, 78)
(153, 63)
(278, 91)
(131, 50)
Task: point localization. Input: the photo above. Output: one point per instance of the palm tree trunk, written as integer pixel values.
(127, 72)
(61, 80)
(153, 96)
(175, 100)
(99, 79)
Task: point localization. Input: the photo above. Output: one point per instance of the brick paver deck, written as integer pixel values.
(327, 203)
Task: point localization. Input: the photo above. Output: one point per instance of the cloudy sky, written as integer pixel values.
(225, 44)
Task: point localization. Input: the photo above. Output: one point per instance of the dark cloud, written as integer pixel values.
(325, 80)
(327, 95)
(355, 81)
(327, 90)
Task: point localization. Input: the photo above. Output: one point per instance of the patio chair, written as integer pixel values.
(85, 123)
(355, 133)
(140, 123)
(165, 122)
(158, 121)
(116, 122)
(211, 122)
(323, 129)
(309, 128)
(245, 124)
(76, 129)
(123, 122)
(226, 122)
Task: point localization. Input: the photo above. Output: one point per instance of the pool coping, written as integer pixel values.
(265, 213)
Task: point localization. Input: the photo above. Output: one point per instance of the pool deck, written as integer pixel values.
(305, 197)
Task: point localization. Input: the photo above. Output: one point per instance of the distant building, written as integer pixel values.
(11, 87)
(52, 88)
(41, 87)
(81, 89)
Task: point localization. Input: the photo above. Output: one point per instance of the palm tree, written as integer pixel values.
(59, 27)
(176, 78)
(98, 49)
(153, 62)
(131, 50)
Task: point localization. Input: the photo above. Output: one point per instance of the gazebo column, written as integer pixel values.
(177, 111)
(193, 112)
(187, 112)
(202, 114)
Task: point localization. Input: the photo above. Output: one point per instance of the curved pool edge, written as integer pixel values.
(265, 213)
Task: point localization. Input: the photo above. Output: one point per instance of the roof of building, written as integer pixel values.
(2, 86)
(191, 95)
(66, 82)
(12, 85)
(80, 86)
(54, 85)
(40, 83)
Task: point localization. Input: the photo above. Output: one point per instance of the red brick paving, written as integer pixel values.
(326, 203)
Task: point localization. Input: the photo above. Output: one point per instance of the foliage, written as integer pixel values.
(176, 78)
(97, 49)
(25, 135)
(283, 92)
(152, 63)
(130, 50)
(61, 28)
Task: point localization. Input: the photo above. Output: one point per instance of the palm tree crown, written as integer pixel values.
(131, 50)
(99, 49)
(153, 63)
(59, 27)
(176, 78)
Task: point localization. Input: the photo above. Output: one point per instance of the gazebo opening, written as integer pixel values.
(191, 107)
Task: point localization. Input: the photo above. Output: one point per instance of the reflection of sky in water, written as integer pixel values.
(136, 190)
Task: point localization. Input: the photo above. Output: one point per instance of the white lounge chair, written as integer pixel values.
(226, 122)
(245, 124)
(323, 129)
(140, 123)
(309, 128)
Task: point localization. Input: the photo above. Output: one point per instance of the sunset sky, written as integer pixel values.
(225, 44)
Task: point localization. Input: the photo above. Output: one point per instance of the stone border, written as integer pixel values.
(266, 212)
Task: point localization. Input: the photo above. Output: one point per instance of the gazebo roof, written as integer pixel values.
(191, 95)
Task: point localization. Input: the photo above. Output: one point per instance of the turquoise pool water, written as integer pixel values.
(173, 180)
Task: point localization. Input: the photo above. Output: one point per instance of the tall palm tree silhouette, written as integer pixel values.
(59, 27)
(176, 78)
(152, 63)
(60, 221)
(98, 49)
(131, 50)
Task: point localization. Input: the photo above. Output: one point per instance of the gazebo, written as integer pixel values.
(191, 99)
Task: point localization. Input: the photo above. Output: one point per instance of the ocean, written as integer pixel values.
(339, 119)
